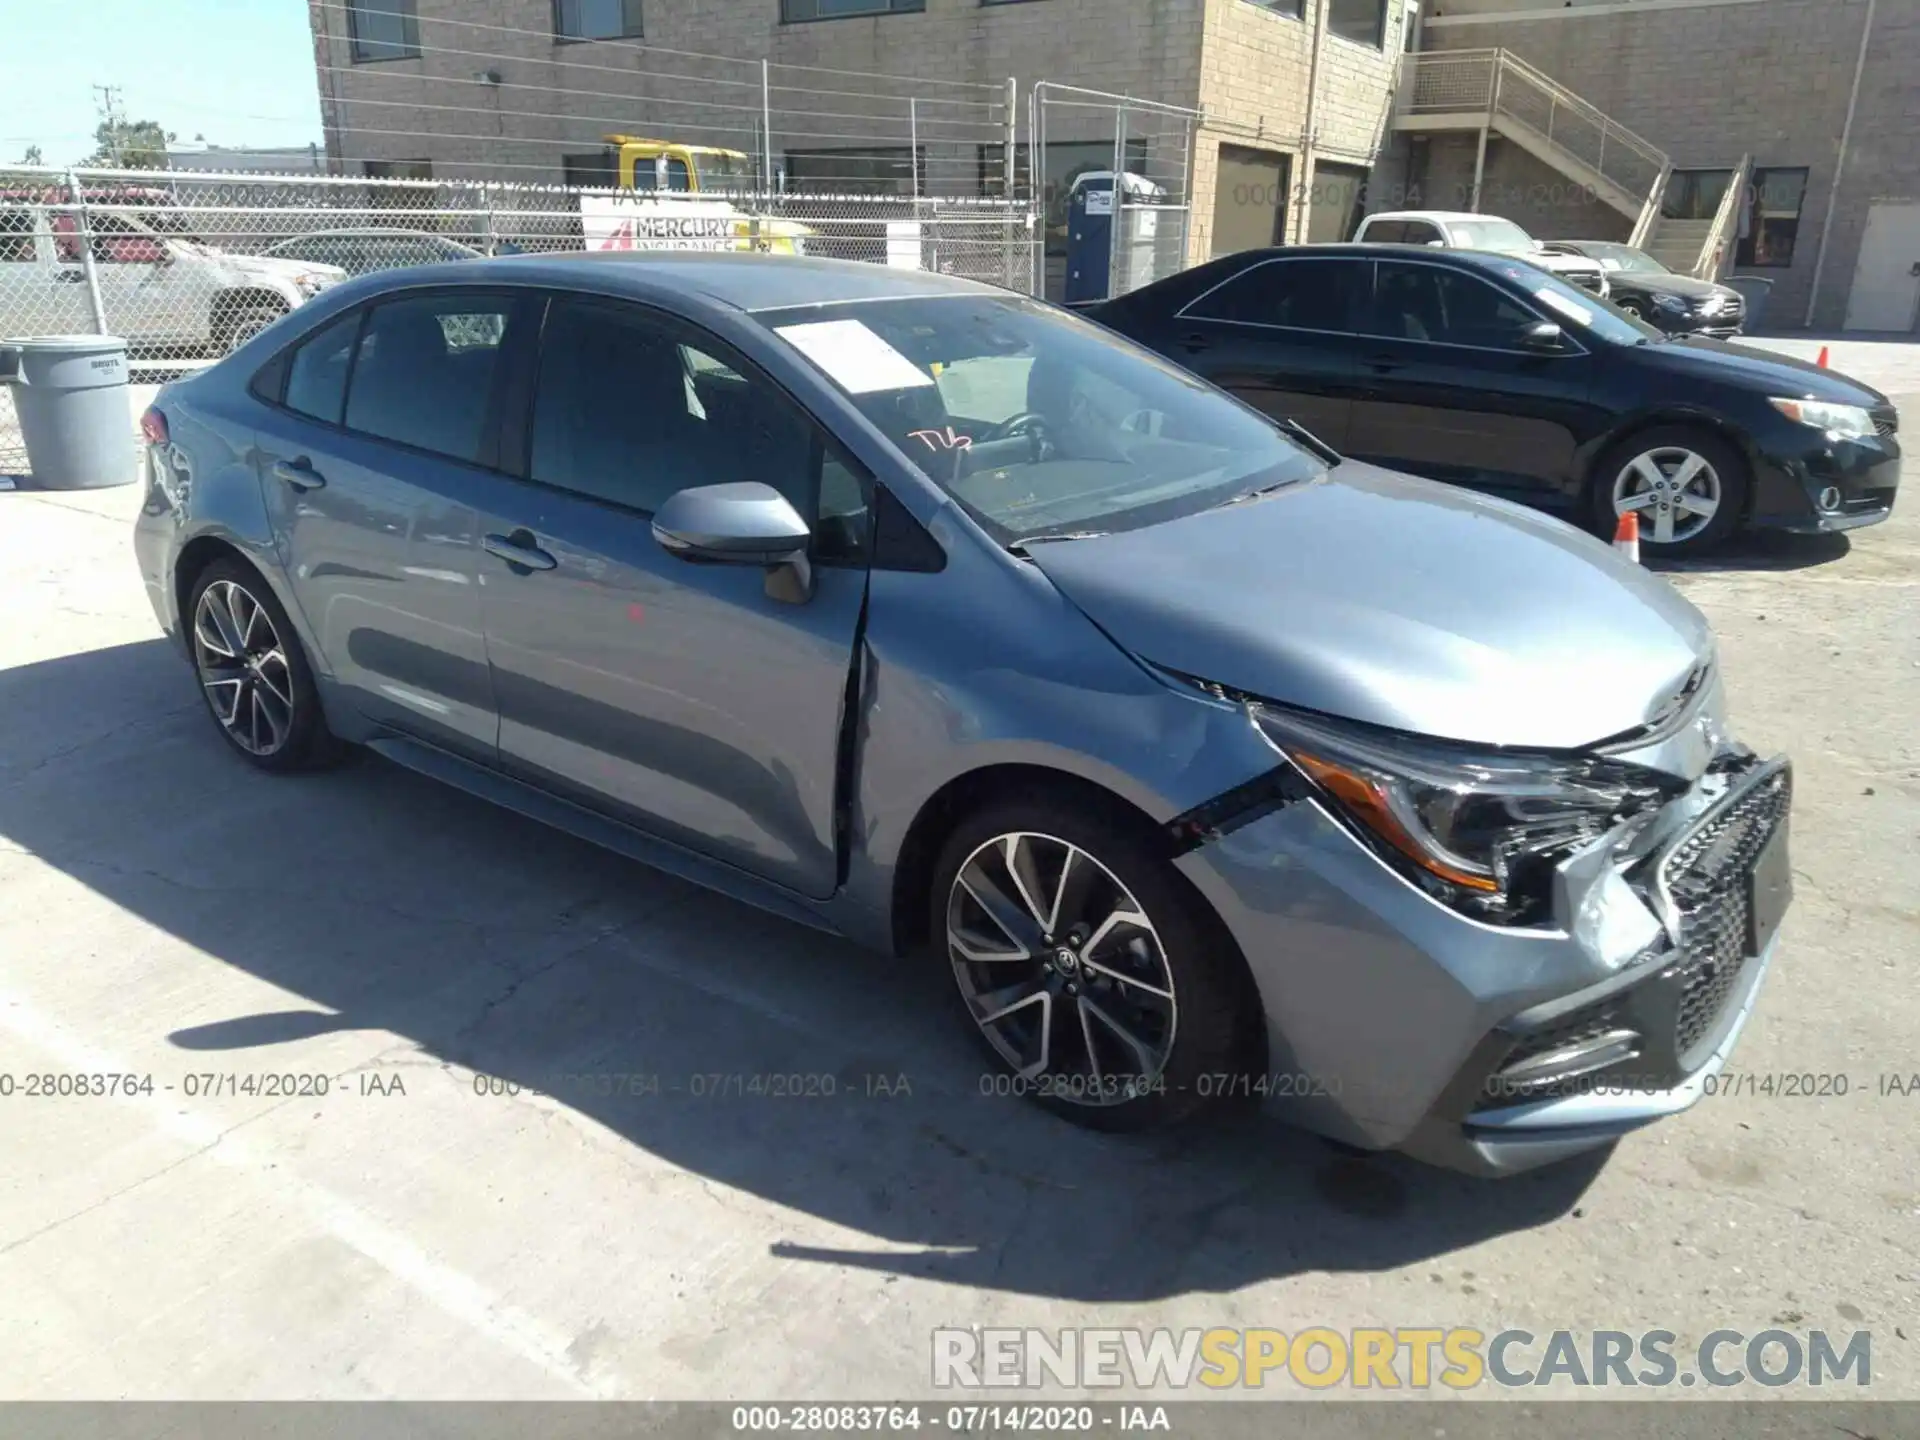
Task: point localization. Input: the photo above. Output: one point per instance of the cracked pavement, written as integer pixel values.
(444, 1103)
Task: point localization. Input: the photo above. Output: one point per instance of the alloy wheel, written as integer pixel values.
(1062, 969)
(1675, 491)
(243, 668)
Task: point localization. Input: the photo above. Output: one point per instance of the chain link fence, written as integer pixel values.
(188, 266)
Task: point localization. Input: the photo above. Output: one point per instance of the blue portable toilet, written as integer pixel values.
(1090, 237)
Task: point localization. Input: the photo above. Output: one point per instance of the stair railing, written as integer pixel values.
(1713, 252)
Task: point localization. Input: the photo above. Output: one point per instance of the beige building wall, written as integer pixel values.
(1257, 72)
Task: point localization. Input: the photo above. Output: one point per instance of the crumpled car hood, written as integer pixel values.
(1398, 602)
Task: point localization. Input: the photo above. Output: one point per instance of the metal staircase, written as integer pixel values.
(1495, 92)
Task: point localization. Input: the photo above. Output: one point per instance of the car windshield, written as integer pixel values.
(1039, 423)
(721, 170)
(1624, 257)
(1499, 235)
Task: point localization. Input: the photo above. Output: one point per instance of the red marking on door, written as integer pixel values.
(636, 613)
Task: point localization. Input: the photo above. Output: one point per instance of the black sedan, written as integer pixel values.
(1649, 291)
(1486, 371)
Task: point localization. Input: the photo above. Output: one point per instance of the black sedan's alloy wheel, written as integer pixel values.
(1094, 976)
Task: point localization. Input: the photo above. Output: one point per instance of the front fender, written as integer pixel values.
(1022, 677)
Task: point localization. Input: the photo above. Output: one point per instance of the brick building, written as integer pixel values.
(1804, 111)
(520, 89)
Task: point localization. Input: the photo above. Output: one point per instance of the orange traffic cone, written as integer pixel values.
(1626, 536)
(1822, 362)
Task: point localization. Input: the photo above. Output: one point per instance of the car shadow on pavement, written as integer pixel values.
(489, 942)
(1759, 550)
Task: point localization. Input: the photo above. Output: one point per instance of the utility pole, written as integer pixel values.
(107, 102)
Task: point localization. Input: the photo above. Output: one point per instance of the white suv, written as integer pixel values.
(162, 292)
(1458, 230)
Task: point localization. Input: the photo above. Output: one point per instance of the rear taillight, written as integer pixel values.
(153, 427)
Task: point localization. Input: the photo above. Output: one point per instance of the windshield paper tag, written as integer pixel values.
(854, 357)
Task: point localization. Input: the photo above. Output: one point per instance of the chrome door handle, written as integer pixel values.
(519, 550)
(299, 473)
(1194, 344)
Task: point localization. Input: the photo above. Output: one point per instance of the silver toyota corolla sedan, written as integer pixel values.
(1213, 766)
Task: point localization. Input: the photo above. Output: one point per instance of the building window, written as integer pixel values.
(1695, 194)
(383, 30)
(591, 169)
(596, 19)
(859, 170)
(1293, 9)
(1067, 161)
(1773, 219)
(796, 10)
(1362, 21)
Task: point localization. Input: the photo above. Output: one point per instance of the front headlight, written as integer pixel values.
(1479, 830)
(1841, 422)
(1671, 302)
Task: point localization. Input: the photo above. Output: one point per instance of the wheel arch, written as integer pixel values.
(966, 794)
(1667, 417)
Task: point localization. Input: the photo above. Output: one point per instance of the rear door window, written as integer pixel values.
(1387, 232)
(317, 374)
(425, 368)
(1291, 294)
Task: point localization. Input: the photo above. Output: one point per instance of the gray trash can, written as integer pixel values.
(70, 392)
(1754, 289)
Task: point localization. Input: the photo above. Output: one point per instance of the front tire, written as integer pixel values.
(252, 672)
(1100, 983)
(1688, 486)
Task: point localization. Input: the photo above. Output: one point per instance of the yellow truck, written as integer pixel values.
(678, 202)
(669, 165)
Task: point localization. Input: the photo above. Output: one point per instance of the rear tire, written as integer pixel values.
(252, 672)
(1106, 990)
(1684, 481)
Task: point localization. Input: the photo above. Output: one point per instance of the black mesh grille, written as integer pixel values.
(1587, 1023)
(1707, 876)
(1886, 422)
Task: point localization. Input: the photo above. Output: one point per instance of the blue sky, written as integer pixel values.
(239, 72)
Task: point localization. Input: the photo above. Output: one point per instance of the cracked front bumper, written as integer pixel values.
(1400, 1024)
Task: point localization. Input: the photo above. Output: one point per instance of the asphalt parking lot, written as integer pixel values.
(167, 913)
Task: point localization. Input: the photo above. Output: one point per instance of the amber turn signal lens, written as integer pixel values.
(1367, 801)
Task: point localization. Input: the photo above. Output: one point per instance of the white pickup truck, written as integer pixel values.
(1458, 230)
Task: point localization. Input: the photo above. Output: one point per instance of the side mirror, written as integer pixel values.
(1542, 337)
(746, 523)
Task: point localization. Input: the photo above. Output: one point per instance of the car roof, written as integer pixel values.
(369, 232)
(743, 281)
(1435, 215)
